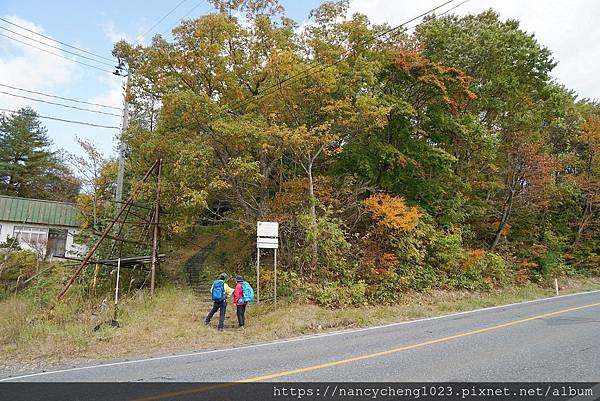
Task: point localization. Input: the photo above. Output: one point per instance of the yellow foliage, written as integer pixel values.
(392, 212)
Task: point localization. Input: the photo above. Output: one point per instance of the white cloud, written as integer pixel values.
(111, 33)
(24, 67)
(113, 93)
(29, 68)
(568, 28)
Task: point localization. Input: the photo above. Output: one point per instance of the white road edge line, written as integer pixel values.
(294, 339)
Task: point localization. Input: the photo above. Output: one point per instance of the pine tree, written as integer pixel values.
(27, 167)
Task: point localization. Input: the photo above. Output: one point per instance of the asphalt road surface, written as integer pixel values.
(555, 339)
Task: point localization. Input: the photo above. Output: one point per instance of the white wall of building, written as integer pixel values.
(7, 230)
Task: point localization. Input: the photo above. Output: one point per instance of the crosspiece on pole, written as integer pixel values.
(129, 262)
(133, 204)
(91, 252)
(130, 241)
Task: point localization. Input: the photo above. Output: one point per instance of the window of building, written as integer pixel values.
(31, 235)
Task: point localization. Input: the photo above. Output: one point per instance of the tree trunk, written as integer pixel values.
(505, 216)
(313, 218)
(94, 200)
(585, 219)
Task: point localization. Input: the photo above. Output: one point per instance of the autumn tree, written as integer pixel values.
(588, 176)
(91, 167)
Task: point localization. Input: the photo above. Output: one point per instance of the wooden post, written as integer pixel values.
(155, 235)
(257, 275)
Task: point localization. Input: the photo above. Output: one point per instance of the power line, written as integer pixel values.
(59, 104)
(320, 66)
(163, 18)
(184, 15)
(56, 54)
(64, 120)
(442, 14)
(55, 40)
(60, 97)
(56, 47)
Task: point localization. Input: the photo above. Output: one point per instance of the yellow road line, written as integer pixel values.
(367, 356)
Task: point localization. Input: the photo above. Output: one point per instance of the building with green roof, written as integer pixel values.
(47, 227)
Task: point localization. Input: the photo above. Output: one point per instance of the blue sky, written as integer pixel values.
(567, 27)
(93, 26)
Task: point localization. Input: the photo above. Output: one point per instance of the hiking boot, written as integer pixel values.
(220, 329)
(206, 323)
(242, 328)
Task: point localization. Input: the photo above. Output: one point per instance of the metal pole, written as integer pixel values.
(156, 228)
(275, 279)
(121, 155)
(258, 276)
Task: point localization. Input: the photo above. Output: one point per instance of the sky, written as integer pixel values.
(567, 27)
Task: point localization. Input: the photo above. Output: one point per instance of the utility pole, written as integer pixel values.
(120, 70)
(156, 228)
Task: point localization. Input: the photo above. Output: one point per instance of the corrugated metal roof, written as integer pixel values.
(38, 211)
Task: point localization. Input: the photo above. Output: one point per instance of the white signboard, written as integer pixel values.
(267, 234)
(267, 237)
(267, 229)
(262, 242)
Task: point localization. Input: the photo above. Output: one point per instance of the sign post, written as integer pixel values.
(267, 237)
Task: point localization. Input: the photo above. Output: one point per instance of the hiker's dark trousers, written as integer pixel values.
(241, 310)
(216, 306)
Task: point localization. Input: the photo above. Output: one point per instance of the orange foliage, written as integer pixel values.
(474, 256)
(388, 259)
(505, 229)
(439, 83)
(392, 212)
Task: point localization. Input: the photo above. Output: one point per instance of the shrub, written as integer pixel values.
(18, 263)
(487, 271)
(332, 244)
(338, 295)
(445, 253)
(551, 263)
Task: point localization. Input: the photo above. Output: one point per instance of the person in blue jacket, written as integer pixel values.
(219, 292)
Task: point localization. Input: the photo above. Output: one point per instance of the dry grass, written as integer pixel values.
(172, 321)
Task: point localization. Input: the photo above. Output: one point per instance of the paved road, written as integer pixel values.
(556, 339)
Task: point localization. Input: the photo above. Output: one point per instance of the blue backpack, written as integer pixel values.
(218, 291)
(247, 293)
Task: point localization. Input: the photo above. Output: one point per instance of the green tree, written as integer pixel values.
(27, 167)
(514, 107)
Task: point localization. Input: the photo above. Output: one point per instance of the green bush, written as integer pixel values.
(337, 295)
(486, 272)
(17, 264)
(429, 257)
(445, 253)
(552, 262)
(333, 247)
(388, 289)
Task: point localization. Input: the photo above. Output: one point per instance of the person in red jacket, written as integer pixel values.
(238, 295)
